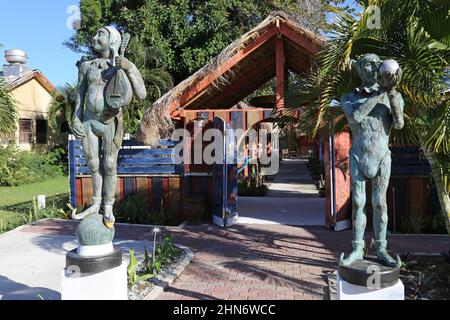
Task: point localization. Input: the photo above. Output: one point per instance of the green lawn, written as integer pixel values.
(20, 194)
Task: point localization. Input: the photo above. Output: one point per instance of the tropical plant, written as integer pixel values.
(133, 270)
(422, 286)
(62, 106)
(20, 167)
(253, 185)
(8, 112)
(189, 33)
(416, 34)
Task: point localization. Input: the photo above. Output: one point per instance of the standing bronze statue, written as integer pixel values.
(371, 111)
(105, 85)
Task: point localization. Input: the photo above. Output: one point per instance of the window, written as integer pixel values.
(41, 131)
(25, 130)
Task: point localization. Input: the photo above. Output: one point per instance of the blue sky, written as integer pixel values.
(39, 28)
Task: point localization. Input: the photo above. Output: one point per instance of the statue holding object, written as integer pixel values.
(372, 110)
(105, 85)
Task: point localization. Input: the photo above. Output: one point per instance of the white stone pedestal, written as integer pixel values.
(348, 291)
(107, 285)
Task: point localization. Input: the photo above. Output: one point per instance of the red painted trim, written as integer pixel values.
(166, 191)
(234, 91)
(280, 76)
(303, 42)
(121, 188)
(203, 83)
(149, 194)
(79, 192)
(224, 110)
(182, 190)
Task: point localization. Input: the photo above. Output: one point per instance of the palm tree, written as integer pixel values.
(8, 112)
(416, 34)
(62, 105)
(151, 63)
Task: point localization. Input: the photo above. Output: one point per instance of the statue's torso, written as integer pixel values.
(98, 74)
(370, 137)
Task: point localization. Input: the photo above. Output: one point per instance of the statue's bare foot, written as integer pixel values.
(355, 255)
(384, 256)
(93, 209)
(108, 218)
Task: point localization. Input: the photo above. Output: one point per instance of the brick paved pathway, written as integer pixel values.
(256, 261)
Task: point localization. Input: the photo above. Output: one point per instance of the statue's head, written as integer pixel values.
(367, 68)
(107, 40)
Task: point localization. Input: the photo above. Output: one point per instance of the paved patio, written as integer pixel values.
(293, 199)
(253, 261)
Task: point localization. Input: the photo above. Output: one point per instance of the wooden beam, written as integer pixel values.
(309, 46)
(299, 64)
(280, 75)
(255, 86)
(236, 87)
(203, 83)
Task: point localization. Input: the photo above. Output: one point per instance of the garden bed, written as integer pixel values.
(427, 278)
(150, 289)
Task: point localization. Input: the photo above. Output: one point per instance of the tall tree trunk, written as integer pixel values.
(443, 195)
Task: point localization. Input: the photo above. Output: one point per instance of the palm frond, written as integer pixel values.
(8, 111)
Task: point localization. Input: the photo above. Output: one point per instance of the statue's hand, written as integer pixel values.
(123, 63)
(390, 82)
(78, 129)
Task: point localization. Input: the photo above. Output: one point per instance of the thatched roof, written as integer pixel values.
(157, 122)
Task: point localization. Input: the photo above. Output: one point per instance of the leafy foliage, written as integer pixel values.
(412, 33)
(253, 185)
(8, 113)
(62, 106)
(21, 167)
(164, 252)
(189, 32)
(134, 210)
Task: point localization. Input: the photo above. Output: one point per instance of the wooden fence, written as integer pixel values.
(151, 173)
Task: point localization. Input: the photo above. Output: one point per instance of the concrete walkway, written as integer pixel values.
(242, 262)
(32, 258)
(293, 181)
(293, 199)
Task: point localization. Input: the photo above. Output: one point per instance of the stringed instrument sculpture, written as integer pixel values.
(119, 92)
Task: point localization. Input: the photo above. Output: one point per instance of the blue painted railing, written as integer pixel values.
(134, 159)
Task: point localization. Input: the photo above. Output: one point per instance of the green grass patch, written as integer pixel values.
(25, 193)
(16, 203)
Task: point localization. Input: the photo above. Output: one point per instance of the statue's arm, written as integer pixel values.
(355, 111)
(397, 105)
(347, 107)
(77, 126)
(366, 107)
(136, 81)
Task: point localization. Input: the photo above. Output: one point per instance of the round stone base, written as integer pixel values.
(92, 251)
(359, 272)
(87, 265)
(92, 231)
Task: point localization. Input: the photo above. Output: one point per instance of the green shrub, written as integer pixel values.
(22, 167)
(253, 185)
(133, 209)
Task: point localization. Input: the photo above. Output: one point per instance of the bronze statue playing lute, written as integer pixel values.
(118, 90)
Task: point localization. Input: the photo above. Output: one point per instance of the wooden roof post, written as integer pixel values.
(280, 70)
